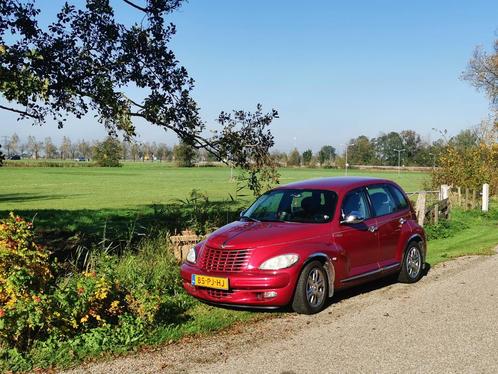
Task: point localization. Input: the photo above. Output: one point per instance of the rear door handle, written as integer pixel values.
(402, 221)
(372, 228)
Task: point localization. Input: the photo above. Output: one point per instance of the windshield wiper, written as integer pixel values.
(250, 219)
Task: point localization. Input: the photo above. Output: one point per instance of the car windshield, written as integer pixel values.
(306, 206)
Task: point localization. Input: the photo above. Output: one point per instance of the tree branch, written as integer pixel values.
(24, 113)
(135, 6)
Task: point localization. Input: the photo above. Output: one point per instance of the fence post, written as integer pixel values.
(445, 192)
(436, 213)
(459, 197)
(485, 197)
(474, 198)
(466, 204)
(420, 208)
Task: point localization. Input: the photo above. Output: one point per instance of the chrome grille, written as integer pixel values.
(224, 260)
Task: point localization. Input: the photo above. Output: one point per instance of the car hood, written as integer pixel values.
(258, 234)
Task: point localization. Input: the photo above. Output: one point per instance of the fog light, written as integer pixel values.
(269, 294)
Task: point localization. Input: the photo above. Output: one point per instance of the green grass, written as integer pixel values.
(140, 184)
(93, 202)
(476, 234)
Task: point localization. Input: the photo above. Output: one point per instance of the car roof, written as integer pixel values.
(338, 184)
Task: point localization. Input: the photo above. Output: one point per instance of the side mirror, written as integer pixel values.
(242, 212)
(352, 218)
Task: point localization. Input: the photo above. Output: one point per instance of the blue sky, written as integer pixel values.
(333, 70)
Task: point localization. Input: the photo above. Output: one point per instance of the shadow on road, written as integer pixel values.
(340, 295)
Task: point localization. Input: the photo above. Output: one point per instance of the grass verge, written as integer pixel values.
(468, 233)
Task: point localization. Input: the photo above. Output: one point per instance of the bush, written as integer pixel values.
(108, 153)
(24, 277)
(444, 229)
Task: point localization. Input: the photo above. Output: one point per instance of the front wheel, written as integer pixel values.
(311, 290)
(411, 270)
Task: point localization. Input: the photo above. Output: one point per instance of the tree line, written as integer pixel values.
(67, 149)
(407, 148)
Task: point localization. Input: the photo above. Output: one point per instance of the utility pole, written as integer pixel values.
(347, 146)
(399, 158)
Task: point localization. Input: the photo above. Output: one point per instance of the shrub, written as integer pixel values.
(468, 167)
(108, 152)
(94, 298)
(24, 276)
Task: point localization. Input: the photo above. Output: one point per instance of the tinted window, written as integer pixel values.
(355, 203)
(382, 201)
(311, 206)
(401, 202)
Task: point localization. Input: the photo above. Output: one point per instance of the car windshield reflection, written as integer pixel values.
(288, 205)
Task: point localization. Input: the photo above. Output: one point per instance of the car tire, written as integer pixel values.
(312, 289)
(412, 267)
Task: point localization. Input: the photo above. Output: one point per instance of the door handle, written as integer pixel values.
(372, 228)
(402, 221)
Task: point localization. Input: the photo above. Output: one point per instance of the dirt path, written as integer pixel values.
(448, 322)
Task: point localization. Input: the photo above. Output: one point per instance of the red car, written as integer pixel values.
(298, 243)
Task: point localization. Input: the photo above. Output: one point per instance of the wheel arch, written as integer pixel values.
(415, 238)
(327, 264)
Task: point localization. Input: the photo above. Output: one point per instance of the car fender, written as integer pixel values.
(410, 232)
(328, 265)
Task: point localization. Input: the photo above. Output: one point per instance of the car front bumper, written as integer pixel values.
(249, 288)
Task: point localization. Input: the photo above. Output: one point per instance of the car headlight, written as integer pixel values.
(191, 255)
(279, 262)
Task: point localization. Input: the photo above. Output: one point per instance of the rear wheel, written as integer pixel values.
(411, 270)
(311, 290)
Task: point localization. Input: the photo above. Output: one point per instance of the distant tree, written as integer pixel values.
(294, 158)
(184, 154)
(134, 150)
(361, 151)
(385, 146)
(108, 152)
(307, 156)
(125, 146)
(464, 139)
(482, 73)
(163, 152)
(84, 149)
(34, 147)
(49, 148)
(411, 144)
(279, 157)
(2, 157)
(326, 154)
(12, 144)
(65, 148)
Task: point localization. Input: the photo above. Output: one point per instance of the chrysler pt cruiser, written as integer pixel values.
(298, 243)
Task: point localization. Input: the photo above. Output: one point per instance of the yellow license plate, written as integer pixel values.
(210, 282)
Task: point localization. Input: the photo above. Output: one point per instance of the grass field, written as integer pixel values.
(136, 185)
(91, 200)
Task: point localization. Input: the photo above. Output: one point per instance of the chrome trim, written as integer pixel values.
(373, 272)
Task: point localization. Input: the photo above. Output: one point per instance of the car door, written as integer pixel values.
(391, 214)
(359, 242)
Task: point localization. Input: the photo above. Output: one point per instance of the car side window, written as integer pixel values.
(382, 201)
(356, 203)
(401, 202)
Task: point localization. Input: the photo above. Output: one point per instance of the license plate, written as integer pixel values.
(210, 282)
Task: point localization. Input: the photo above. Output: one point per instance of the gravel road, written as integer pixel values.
(446, 323)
